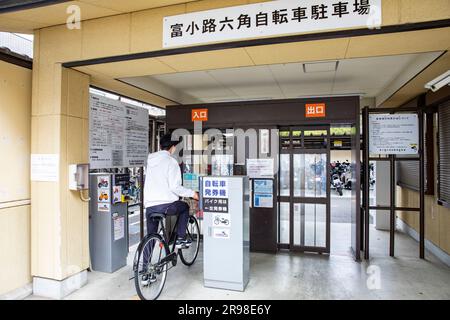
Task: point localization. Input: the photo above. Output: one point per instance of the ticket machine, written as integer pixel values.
(225, 204)
(108, 222)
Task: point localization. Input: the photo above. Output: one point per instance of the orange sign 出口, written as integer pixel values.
(315, 110)
(199, 115)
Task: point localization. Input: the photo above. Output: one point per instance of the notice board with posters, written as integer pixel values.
(394, 134)
(118, 134)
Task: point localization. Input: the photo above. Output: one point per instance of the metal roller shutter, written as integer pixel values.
(408, 171)
(408, 174)
(444, 153)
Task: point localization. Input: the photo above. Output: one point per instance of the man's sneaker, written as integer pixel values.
(183, 243)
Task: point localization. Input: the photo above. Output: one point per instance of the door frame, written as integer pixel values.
(306, 200)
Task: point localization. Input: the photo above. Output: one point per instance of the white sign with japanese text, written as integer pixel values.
(394, 134)
(269, 19)
(119, 228)
(45, 167)
(215, 188)
(221, 233)
(260, 168)
(118, 134)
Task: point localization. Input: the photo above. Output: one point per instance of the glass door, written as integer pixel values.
(304, 190)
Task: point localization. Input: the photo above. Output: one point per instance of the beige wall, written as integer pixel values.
(15, 141)
(15, 250)
(437, 218)
(59, 218)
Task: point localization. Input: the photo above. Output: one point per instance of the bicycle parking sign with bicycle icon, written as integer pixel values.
(222, 220)
(216, 203)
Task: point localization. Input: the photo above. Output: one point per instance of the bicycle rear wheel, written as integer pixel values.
(150, 274)
(189, 255)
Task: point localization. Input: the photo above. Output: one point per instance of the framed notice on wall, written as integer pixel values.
(118, 134)
(394, 134)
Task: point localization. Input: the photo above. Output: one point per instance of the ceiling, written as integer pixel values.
(108, 75)
(25, 21)
(374, 77)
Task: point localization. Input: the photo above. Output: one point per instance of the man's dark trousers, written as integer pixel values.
(180, 208)
(170, 209)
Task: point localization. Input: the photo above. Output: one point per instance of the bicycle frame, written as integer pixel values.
(173, 234)
(172, 237)
(172, 257)
(173, 254)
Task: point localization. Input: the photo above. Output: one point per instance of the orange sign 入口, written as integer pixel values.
(315, 110)
(199, 114)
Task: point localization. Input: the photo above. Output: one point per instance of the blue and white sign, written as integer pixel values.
(215, 188)
(263, 186)
(262, 200)
(190, 181)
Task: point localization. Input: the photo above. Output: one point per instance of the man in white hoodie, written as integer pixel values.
(163, 189)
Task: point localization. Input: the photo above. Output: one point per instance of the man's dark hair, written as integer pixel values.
(166, 142)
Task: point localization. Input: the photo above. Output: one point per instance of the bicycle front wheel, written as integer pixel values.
(188, 255)
(151, 271)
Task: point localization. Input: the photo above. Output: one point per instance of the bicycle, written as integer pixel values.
(153, 256)
(224, 221)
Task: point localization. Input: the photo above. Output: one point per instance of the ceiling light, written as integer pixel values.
(314, 67)
(439, 82)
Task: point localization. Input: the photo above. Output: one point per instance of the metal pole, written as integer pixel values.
(392, 209)
(141, 205)
(153, 136)
(366, 184)
(422, 184)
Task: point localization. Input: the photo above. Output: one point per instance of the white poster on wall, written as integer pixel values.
(118, 134)
(269, 18)
(260, 168)
(394, 134)
(45, 167)
(221, 233)
(119, 228)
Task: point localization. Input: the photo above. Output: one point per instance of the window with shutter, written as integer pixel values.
(444, 154)
(408, 174)
(408, 171)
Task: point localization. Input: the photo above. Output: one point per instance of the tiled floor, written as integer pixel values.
(302, 276)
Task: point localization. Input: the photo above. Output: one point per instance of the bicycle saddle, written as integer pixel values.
(157, 216)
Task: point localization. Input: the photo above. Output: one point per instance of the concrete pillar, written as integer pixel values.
(59, 218)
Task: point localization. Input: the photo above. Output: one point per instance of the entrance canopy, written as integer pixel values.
(119, 43)
(371, 78)
(389, 68)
